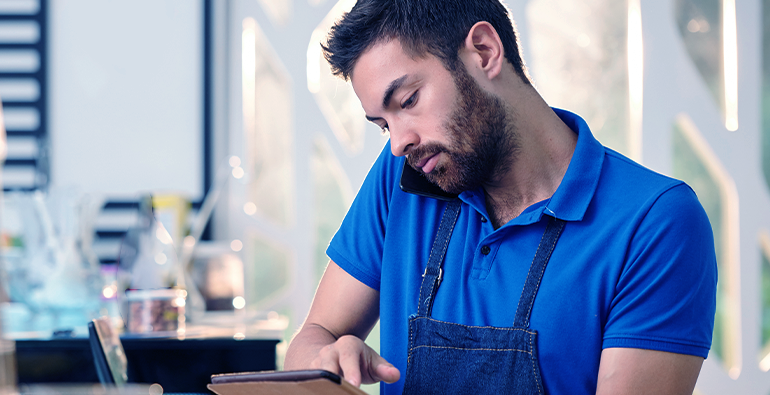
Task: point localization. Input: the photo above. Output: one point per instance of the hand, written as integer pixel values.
(356, 362)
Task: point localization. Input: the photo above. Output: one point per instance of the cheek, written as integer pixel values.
(447, 107)
(430, 125)
(438, 106)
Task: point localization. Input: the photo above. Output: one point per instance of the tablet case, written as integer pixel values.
(286, 382)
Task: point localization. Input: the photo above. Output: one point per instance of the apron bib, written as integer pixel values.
(445, 357)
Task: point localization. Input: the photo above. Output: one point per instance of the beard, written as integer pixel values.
(482, 136)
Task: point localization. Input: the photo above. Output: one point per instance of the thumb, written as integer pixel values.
(382, 370)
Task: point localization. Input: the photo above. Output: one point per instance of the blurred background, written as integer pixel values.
(204, 146)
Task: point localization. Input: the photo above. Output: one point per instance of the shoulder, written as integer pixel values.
(634, 176)
(645, 192)
(665, 292)
(660, 195)
(651, 211)
(384, 175)
(357, 247)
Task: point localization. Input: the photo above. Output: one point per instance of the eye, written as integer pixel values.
(410, 101)
(385, 130)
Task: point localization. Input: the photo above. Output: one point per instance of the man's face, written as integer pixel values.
(482, 139)
(450, 129)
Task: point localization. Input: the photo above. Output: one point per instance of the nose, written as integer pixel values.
(403, 139)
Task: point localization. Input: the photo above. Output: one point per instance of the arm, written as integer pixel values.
(630, 371)
(343, 313)
(665, 299)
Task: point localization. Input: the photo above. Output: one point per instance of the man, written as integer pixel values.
(562, 267)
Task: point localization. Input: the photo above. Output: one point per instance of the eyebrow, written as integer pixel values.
(394, 85)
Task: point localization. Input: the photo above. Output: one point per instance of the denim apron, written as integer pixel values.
(446, 358)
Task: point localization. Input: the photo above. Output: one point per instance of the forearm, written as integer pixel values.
(630, 371)
(343, 313)
(305, 346)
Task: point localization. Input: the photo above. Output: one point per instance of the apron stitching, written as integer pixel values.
(473, 349)
(540, 279)
(528, 273)
(477, 327)
(442, 246)
(534, 365)
(409, 353)
(429, 298)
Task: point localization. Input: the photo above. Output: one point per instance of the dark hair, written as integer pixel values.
(438, 27)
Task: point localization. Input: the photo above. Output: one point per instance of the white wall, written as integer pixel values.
(125, 96)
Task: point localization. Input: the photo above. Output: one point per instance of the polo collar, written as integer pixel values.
(577, 188)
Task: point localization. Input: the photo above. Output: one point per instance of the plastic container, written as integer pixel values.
(156, 310)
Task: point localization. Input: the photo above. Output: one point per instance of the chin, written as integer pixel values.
(450, 186)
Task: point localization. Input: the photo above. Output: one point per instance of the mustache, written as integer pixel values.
(424, 151)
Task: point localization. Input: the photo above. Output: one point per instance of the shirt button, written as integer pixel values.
(485, 250)
(483, 219)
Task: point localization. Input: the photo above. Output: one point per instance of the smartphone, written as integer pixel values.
(412, 181)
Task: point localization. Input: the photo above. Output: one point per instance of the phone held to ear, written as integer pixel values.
(412, 181)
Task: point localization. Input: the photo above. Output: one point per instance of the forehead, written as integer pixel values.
(385, 62)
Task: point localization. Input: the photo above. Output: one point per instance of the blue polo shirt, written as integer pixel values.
(634, 267)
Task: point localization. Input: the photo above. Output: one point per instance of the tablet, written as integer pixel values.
(309, 382)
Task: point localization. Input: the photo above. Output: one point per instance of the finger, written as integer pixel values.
(351, 368)
(328, 359)
(382, 370)
(387, 373)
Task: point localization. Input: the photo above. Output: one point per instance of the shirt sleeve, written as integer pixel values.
(665, 298)
(358, 244)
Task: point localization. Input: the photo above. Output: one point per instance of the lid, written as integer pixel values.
(154, 294)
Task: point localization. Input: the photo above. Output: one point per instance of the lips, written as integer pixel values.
(428, 163)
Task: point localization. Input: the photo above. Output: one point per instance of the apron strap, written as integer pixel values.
(431, 278)
(536, 270)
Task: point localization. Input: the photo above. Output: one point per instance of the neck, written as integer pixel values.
(546, 145)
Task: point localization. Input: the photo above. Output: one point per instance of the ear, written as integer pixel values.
(484, 50)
